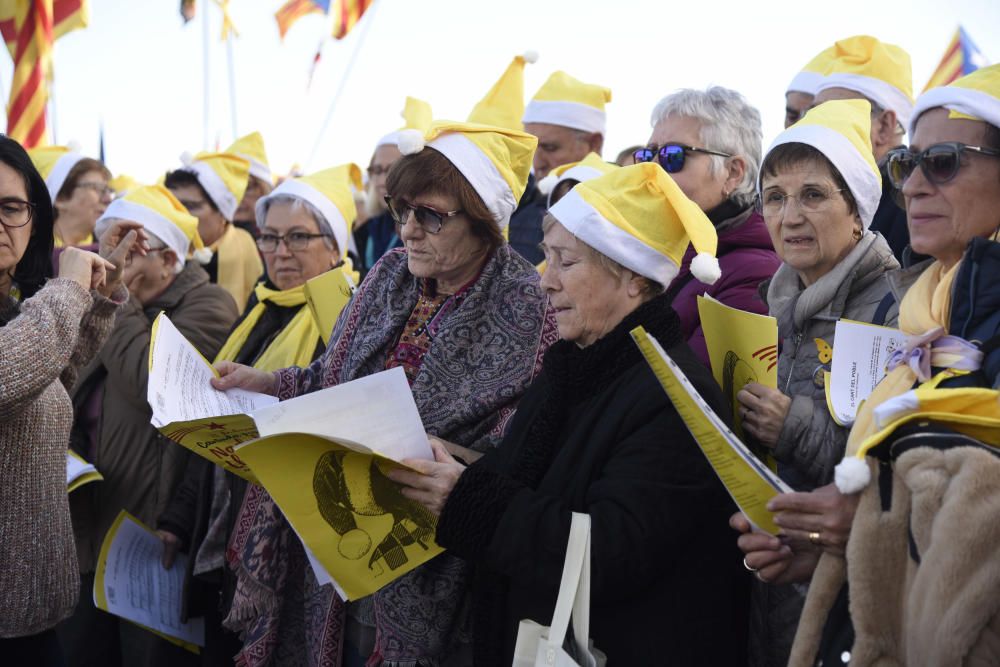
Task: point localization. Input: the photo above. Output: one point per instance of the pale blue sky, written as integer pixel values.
(140, 70)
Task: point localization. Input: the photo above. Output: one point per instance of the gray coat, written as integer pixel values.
(811, 443)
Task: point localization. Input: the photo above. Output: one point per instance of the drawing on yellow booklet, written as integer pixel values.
(79, 472)
(750, 483)
(327, 294)
(130, 582)
(742, 348)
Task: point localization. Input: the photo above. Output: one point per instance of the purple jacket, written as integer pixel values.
(747, 259)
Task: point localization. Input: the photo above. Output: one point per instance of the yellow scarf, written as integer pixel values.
(926, 306)
(58, 242)
(295, 345)
(239, 265)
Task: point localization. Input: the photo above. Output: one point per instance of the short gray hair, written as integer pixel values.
(729, 124)
(299, 204)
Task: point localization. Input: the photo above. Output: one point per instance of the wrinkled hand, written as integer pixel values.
(238, 376)
(86, 269)
(171, 546)
(117, 242)
(772, 561)
(825, 511)
(764, 411)
(433, 481)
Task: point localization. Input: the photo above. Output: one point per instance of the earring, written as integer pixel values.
(857, 234)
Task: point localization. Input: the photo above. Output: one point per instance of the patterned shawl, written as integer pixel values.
(483, 357)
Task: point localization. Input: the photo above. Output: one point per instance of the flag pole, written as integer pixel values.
(206, 79)
(232, 84)
(370, 14)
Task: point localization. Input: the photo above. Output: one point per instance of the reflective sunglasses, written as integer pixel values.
(430, 221)
(939, 163)
(672, 156)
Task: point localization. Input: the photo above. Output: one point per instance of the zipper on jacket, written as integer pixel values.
(795, 356)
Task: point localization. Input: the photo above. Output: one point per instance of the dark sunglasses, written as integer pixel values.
(430, 220)
(671, 156)
(939, 163)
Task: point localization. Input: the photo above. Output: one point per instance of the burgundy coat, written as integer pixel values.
(747, 259)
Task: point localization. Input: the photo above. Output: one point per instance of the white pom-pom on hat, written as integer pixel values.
(202, 255)
(548, 184)
(187, 158)
(852, 475)
(73, 146)
(410, 142)
(706, 268)
(530, 56)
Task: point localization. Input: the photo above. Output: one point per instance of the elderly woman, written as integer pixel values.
(465, 318)
(79, 190)
(925, 520)
(595, 433)
(141, 468)
(302, 226)
(818, 200)
(709, 143)
(48, 330)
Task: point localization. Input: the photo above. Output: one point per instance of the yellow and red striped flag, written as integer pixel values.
(293, 10)
(29, 28)
(960, 58)
(346, 14)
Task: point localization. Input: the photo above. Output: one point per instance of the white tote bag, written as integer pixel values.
(540, 646)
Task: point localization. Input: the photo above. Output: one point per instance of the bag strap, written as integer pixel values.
(576, 552)
(882, 310)
(581, 607)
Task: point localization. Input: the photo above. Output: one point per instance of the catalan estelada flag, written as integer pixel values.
(293, 10)
(29, 28)
(960, 58)
(346, 14)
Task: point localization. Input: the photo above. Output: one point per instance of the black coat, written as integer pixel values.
(596, 433)
(525, 230)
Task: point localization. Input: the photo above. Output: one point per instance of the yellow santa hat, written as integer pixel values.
(563, 100)
(417, 115)
(495, 160)
(975, 96)
(329, 191)
(158, 211)
(640, 218)
(503, 105)
(54, 164)
(879, 71)
(841, 130)
(122, 183)
(251, 149)
(590, 167)
(811, 76)
(224, 176)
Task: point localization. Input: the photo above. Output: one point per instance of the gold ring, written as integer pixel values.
(814, 538)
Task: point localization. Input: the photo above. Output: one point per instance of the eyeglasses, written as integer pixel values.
(15, 213)
(430, 221)
(939, 163)
(378, 170)
(672, 156)
(149, 251)
(811, 199)
(100, 189)
(293, 241)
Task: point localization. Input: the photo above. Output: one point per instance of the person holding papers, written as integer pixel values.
(113, 431)
(302, 227)
(464, 317)
(595, 433)
(49, 328)
(921, 564)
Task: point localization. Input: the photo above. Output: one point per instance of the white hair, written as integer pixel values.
(729, 124)
(299, 204)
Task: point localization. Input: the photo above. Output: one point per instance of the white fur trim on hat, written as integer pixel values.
(805, 82)
(391, 139)
(409, 142)
(585, 222)
(482, 174)
(852, 475)
(166, 231)
(60, 170)
(864, 182)
(216, 188)
(257, 168)
(306, 192)
(580, 172)
(884, 94)
(971, 102)
(567, 114)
